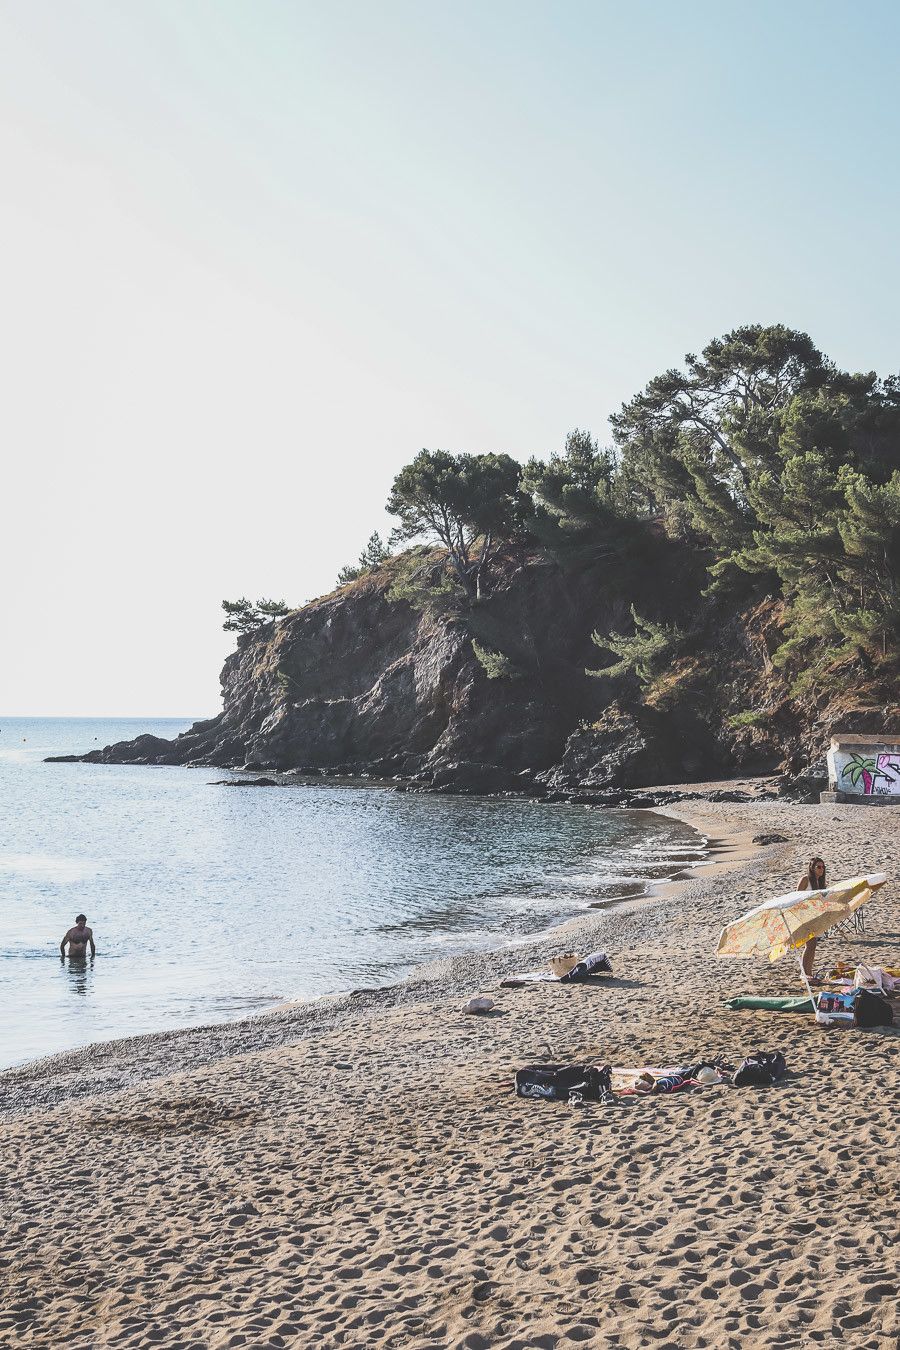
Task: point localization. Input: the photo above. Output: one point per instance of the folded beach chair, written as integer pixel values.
(854, 923)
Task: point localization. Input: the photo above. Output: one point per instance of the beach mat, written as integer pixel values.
(794, 1005)
(545, 977)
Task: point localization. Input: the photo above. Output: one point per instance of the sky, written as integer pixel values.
(256, 255)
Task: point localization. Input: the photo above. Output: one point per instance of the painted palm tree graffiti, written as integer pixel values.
(870, 769)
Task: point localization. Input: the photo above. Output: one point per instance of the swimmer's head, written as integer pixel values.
(81, 918)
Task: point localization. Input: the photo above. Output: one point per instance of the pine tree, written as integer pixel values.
(373, 555)
(242, 616)
(644, 653)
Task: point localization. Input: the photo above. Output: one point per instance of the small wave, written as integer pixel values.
(675, 851)
(29, 953)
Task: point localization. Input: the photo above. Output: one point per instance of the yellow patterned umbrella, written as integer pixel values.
(789, 921)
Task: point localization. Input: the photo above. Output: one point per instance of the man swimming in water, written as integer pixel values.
(79, 938)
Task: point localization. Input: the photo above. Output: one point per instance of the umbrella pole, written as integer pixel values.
(798, 952)
(805, 979)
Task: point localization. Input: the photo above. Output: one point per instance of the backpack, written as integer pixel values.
(556, 1082)
(871, 1010)
(761, 1069)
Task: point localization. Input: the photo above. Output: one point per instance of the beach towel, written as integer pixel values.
(672, 1082)
(530, 977)
(668, 1078)
(590, 1082)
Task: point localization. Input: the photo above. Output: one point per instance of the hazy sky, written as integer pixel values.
(256, 255)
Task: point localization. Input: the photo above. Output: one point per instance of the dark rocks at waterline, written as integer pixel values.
(246, 782)
(357, 684)
(771, 839)
(142, 750)
(467, 776)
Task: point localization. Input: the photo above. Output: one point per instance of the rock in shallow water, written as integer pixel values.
(245, 782)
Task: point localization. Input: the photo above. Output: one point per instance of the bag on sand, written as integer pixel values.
(834, 1007)
(598, 963)
(871, 1010)
(555, 1082)
(761, 1069)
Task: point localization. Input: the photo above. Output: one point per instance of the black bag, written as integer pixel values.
(871, 1010)
(555, 1082)
(761, 1069)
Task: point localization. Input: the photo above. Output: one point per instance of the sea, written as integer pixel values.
(210, 903)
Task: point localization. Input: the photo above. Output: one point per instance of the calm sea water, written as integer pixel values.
(209, 903)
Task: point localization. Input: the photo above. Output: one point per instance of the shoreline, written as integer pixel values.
(359, 1172)
(79, 1058)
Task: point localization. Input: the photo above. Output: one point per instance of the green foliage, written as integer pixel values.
(423, 580)
(644, 653)
(373, 555)
(760, 467)
(463, 503)
(832, 538)
(787, 472)
(242, 616)
(747, 719)
(699, 436)
(272, 609)
(575, 510)
(495, 664)
(576, 483)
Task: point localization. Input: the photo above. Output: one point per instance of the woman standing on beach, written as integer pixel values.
(812, 880)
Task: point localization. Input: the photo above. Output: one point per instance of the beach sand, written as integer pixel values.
(358, 1172)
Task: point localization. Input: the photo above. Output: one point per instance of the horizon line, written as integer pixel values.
(105, 717)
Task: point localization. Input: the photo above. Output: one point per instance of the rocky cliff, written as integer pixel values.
(358, 683)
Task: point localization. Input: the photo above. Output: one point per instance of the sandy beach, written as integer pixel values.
(358, 1172)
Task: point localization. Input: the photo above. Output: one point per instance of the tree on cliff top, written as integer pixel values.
(575, 508)
(242, 616)
(373, 555)
(462, 502)
(779, 464)
(697, 437)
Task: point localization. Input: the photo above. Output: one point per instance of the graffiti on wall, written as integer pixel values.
(871, 775)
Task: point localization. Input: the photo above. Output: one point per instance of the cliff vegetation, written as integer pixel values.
(712, 592)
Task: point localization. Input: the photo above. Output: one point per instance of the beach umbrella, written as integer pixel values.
(786, 923)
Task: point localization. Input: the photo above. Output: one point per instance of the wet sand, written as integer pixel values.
(358, 1172)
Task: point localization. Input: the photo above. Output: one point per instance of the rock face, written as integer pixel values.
(624, 749)
(356, 683)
